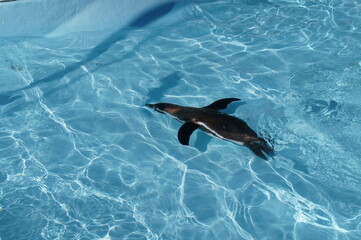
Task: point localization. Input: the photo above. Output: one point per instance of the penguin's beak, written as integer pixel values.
(150, 105)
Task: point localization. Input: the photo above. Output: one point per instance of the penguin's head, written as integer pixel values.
(164, 107)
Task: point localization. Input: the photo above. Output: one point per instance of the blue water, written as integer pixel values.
(81, 157)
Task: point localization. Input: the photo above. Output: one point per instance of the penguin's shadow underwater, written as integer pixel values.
(215, 123)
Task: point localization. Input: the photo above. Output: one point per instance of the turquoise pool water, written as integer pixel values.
(81, 157)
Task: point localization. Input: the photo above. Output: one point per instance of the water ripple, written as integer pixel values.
(82, 157)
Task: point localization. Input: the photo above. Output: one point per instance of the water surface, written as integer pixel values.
(82, 158)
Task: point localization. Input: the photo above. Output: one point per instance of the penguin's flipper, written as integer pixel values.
(221, 104)
(186, 131)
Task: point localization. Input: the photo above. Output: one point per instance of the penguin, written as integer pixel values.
(215, 123)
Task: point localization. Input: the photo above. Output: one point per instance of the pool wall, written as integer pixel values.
(52, 18)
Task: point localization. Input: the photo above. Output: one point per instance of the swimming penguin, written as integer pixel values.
(215, 123)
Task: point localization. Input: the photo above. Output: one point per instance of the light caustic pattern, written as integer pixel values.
(82, 157)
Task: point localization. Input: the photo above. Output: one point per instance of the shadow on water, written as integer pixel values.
(155, 95)
(166, 83)
(202, 141)
(141, 21)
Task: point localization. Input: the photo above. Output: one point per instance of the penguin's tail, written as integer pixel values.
(259, 147)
